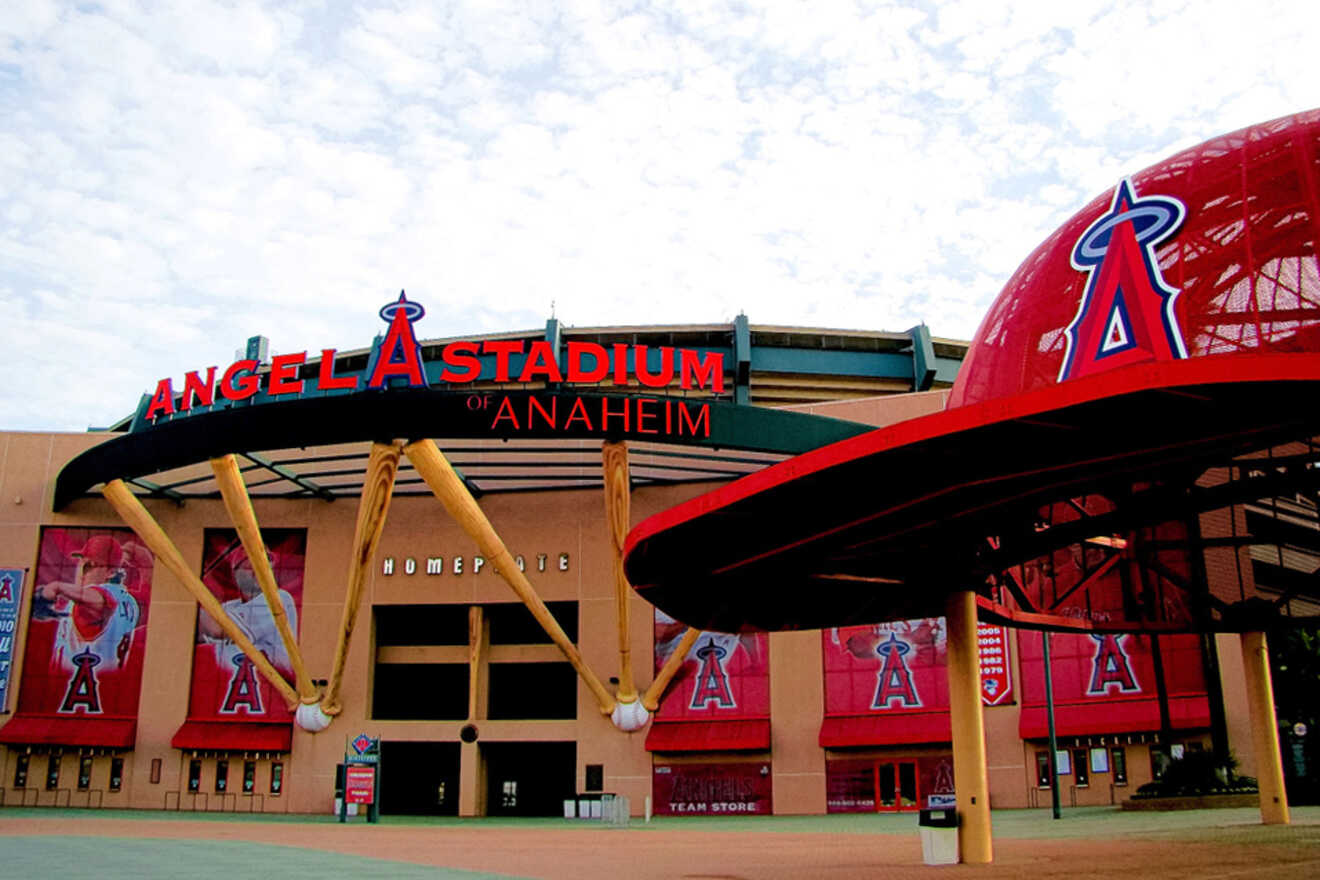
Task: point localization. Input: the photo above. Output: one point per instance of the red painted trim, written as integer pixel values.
(1182, 376)
(709, 736)
(77, 730)
(886, 729)
(990, 611)
(234, 736)
(1102, 717)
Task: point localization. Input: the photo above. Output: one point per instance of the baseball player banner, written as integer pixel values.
(226, 685)
(87, 632)
(887, 668)
(1098, 667)
(11, 595)
(725, 676)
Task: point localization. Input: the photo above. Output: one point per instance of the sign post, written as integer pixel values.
(361, 776)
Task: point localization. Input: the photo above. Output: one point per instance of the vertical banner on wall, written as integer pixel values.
(992, 649)
(225, 684)
(11, 598)
(1107, 667)
(87, 633)
(1106, 683)
(724, 676)
(886, 668)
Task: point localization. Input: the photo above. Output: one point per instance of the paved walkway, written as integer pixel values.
(1086, 843)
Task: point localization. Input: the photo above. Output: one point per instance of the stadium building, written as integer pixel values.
(272, 562)
(841, 720)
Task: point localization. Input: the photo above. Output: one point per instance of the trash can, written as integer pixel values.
(939, 836)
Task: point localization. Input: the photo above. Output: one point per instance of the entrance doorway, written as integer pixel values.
(896, 786)
(419, 778)
(529, 779)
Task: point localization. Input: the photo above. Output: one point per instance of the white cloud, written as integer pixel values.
(175, 178)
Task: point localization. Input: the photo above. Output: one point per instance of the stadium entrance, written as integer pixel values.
(896, 786)
(529, 779)
(419, 778)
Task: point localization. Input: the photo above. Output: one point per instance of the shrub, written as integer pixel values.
(1196, 774)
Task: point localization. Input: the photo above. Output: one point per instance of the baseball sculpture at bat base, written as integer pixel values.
(311, 718)
(630, 717)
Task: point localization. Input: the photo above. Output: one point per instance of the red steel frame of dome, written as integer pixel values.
(1147, 464)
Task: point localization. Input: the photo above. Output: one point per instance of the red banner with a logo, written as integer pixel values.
(225, 684)
(1104, 667)
(724, 676)
(87, 634)
(886, 668)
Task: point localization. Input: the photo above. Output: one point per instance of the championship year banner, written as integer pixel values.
(887, 667)
(87, 631)
(226, 685)
(11, 598)
(724, 676)
(992, 650)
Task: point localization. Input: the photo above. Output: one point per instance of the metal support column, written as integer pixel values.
(965, 713)
(1264, 730)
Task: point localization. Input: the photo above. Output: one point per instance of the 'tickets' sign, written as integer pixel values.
(87, 634)
(711, 789)
(225, 684)
(724, 676)
(398, 362)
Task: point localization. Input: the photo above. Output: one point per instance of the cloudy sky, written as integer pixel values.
(178, 176)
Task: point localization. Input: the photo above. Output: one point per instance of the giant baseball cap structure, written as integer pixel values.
(1151, 365)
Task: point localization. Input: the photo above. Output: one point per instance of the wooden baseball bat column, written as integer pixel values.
(377, 490)
(239, 504)
(448, 487)
(140, 520)
(1264, 730)
(651, 699)
(629, 714)
(969, 770)
(476, 648)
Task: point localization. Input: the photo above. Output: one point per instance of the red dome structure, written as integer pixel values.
(1102, 464)
(1243, 262)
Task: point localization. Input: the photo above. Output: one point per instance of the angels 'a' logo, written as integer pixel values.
(1111, 666)
(712, 680)
(399, 354)
(243, 692)
(1127, 312)
(84, 690)
(895, 678)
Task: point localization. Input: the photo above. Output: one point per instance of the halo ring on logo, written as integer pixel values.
(411, 310)
(1150, 221)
